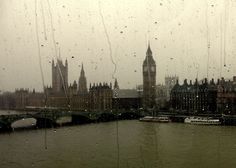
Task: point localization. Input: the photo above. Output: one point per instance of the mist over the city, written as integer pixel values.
(118, 83)
(188, 38)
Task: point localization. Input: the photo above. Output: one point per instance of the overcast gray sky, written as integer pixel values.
(184, 37)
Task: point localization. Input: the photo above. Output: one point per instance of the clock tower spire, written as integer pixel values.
(149, 80)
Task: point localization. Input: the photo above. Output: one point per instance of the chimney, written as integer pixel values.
(212, 81)
(185, 81)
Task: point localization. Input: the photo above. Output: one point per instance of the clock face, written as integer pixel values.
(153, 68)
(145, 69)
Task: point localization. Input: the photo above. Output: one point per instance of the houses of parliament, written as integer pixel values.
(99, 96)
(201, 97)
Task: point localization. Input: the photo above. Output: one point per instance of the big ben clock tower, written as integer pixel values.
(149, 80)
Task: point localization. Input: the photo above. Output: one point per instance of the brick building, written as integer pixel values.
(205, 97)
(226, 96)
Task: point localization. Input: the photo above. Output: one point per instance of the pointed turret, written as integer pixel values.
(149, 51)
(82, 70)
(59, 53)
(59, 76)
(82, 89)
(66, 63)
(149, 58)
(53, 64)
(116, 86)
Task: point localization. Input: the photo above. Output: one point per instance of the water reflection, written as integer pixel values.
(141, 145)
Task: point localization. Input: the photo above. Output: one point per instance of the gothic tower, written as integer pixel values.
(149, 80)
(59, 76)
(82, 87)
(116, 86)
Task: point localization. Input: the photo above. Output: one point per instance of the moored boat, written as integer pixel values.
(155, 119)
(24, 123)
(202, 120)
(146, 118)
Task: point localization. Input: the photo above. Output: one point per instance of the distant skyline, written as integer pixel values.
(188, 38)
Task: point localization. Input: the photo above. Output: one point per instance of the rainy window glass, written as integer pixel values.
(117, 83)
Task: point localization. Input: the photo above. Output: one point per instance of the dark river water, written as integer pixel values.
(141, 145)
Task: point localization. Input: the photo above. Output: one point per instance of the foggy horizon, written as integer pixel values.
(188, 39)
(130, 105)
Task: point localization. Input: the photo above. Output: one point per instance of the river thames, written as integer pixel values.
(141, 144)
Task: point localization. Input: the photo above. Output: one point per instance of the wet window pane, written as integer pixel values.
(98, 83)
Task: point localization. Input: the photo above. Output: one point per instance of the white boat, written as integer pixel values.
(155, 119)
(146, 118)
(202, 120)
(24, 123)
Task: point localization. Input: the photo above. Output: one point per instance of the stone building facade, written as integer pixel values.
(7, 100)
(100, 96)
(81, 100)
(59, 76)
(126, 99)
(36, 99)
(21, 98)
(60, 95)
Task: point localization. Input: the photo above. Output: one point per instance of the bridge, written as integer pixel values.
(54, 118)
